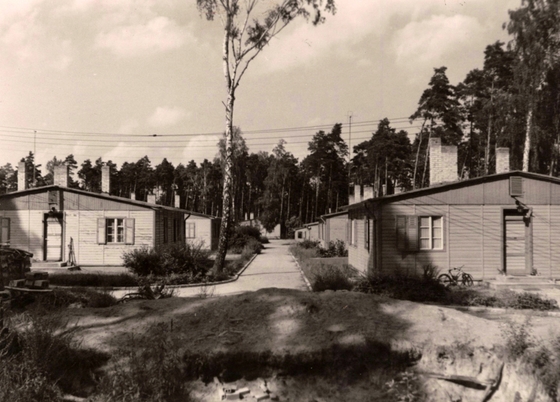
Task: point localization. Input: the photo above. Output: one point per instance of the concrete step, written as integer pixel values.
(509, 282)
(36, 265)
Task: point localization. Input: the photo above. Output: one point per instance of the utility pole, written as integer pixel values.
(34, 156)
(349, 152)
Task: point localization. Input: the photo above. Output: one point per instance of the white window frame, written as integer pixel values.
(190, 228)
(127, 231)
(117, 226)
(430, 229)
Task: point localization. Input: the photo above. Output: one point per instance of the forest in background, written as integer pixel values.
(512, 101)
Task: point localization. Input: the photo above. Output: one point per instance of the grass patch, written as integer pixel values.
(541, 362)
(40, 363)
(330, 277)
(83, 297)
(93, 279)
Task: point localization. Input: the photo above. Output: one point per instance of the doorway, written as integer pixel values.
(53, 237)
(517, 243)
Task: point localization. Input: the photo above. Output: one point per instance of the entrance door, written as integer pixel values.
(53, 238)
(515, 243)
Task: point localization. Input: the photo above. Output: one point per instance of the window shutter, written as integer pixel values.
(101, 238)
(412, 232)
(5, 231)
(400, 222)
(515, 186)
(129, 231)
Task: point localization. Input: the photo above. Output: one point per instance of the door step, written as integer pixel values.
(35, 265)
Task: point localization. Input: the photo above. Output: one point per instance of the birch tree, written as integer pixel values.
(248, 26)
(535, 28)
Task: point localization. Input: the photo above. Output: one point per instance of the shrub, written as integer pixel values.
(334, 249)
(307, 244)
(402, 286)
(244, 236)
(186, 259)
(329, 277)
(514, 300)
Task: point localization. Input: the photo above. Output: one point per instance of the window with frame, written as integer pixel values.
(5, 231)
(431, 233)
(419, 232)
(165, 230)
(191, 230)
(115, 231)
(174, 230)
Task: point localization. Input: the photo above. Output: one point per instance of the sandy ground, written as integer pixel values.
(287, 320)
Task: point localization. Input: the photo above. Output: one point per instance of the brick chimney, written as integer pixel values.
(105, 179)
(368, 192)
(357, 193)
(152, 198)
(177, 200)
(60, 175)
(443, 162)
(22, 176)
(502, 160)
(132, 195)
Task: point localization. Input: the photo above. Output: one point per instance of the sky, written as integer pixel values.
(121, 79)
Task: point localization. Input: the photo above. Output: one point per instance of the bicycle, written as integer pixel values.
(456, 277)
(146, 292)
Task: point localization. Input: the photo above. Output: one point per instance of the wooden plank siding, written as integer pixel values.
(473, 226)
(80, 214)
(202, 231)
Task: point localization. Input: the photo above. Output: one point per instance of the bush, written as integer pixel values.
(334, 249)
(244, 236)
(308, 244)
(184, 259)
(405, 287)
(329, 277)
(514, 300)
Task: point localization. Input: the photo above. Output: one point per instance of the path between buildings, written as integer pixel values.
(273, 268)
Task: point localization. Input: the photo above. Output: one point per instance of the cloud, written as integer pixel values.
(159, 34)
(200, 147)
(128, 126)
(425, 43)
(166, 116)
(23, 36)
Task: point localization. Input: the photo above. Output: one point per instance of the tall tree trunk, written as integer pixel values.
(227, 190)
(527, 146)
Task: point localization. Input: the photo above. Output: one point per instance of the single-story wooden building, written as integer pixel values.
(309, 231)
(333, 227)
(200, 228)
(503, 223)
(45, 220)
(50, 221)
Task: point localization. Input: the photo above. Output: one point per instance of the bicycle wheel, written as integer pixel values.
(445, 280)
(466, 280)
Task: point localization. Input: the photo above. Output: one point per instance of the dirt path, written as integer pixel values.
(273, 268)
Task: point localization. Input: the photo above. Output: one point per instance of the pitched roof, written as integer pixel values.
(453, 185)
(109, 197)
